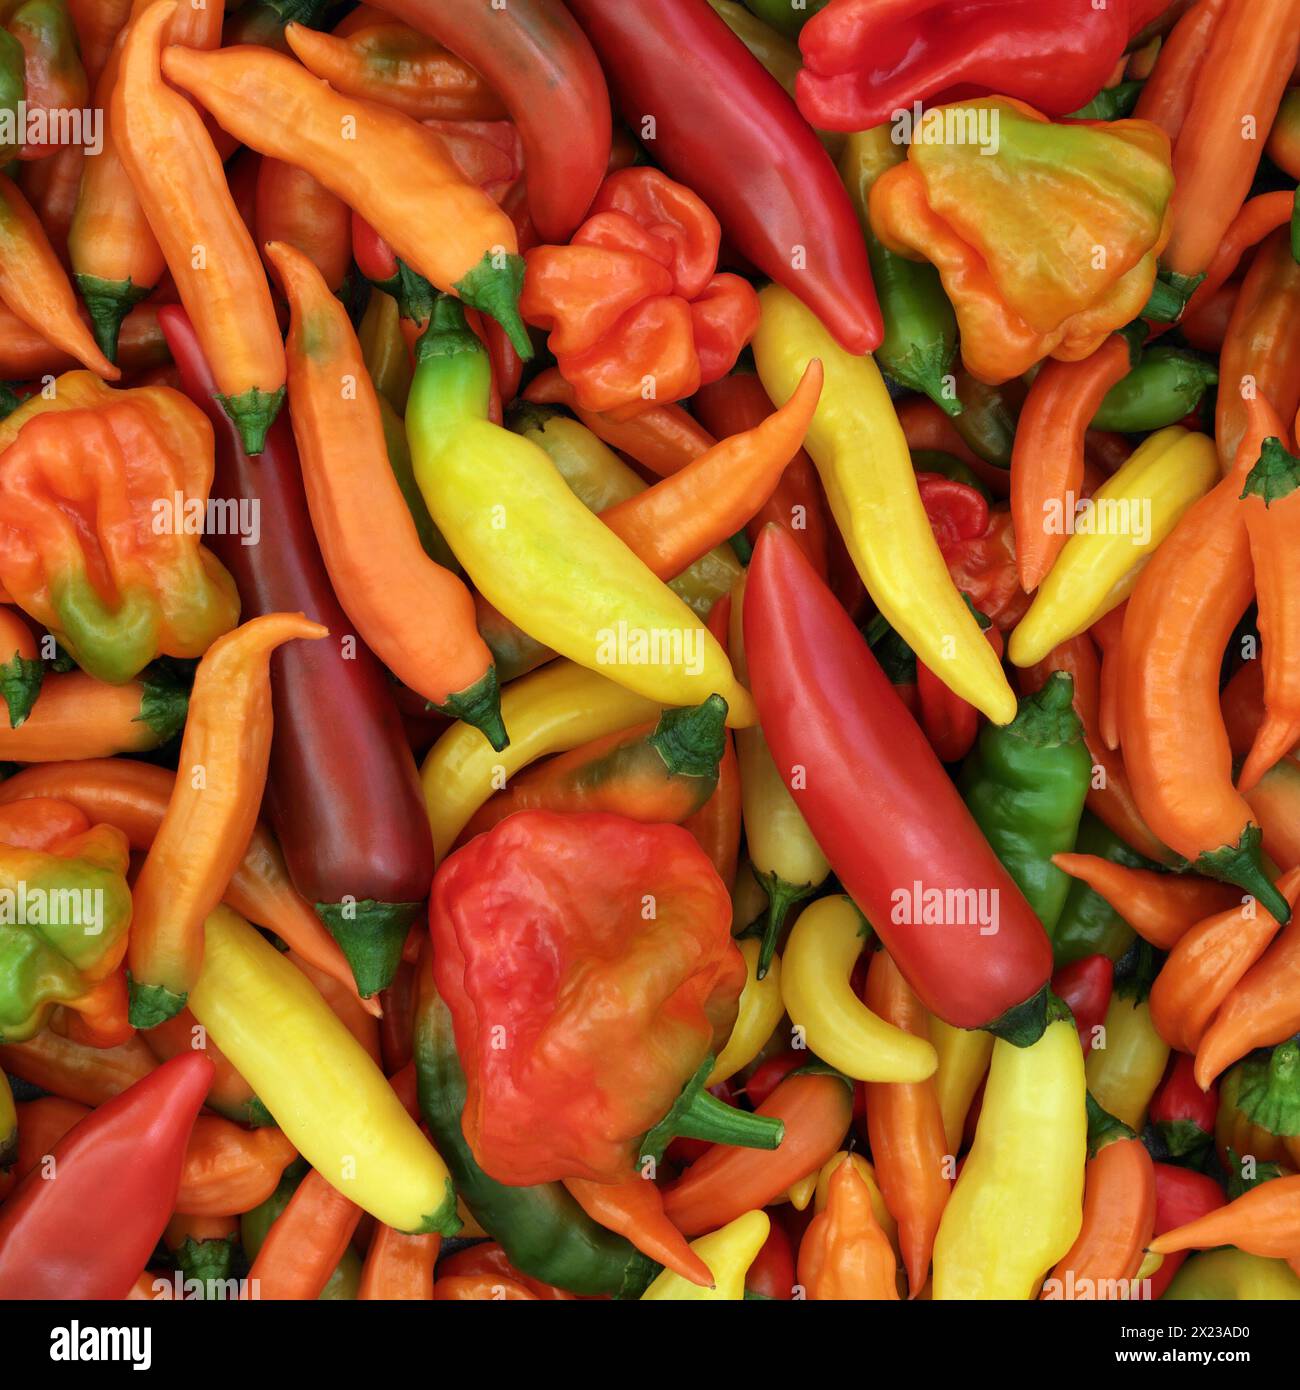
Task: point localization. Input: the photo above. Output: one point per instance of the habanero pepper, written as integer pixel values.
(364, 863)
(844, 1255)
(1258, 1114)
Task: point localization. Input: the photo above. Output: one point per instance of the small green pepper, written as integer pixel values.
(1166, 385)
(1088, 924)
(987, 422)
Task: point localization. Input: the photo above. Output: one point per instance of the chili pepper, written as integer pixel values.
(165, 149)
(1261, 353)
(1182, 1195)
(1233, 1274)
(722, 124)
(77, 716)
(1273, 802)
(965, 213)
(255, 1225)
(1257, 1114)
(1169, 89)
(836, 1025)
(815, 1106)
(330, 1099)
(1169, 684)
(228, 1169)
(1247, 60)
(607, 598)
(769, 1074)
(844, 1254)
(716, 826)
(55, 81)
(772, 1274)
(204, 1248)
(1128, 1058)
(1181, 1111)
(878, 508)
(1165, 385)
(365, 864)
(829, 711)
(1264, 1221)
(963, 1064)
(391, 167)
(294, 208)
(1258, 217)
(863, 61)
(1098, 564)
(207, 824)
(386, 356)
(1084, 987)
(399, 1266)
(482, 1288)
(230, 1095)
(542, 1229)
(89, 1075)
(134, 796)
(759, 1013)
(25, 353)
(21, 671)
(306, 1241)
(1270, 514)
(727, 1253)
(633, 1207)
(89, 1234)
(988, 418)
(1119, 1215)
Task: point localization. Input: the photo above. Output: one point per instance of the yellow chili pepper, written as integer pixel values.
(761, 1007)
(728, 1252)
(550, 711)
(800, 1196)
(822, 1194)
(1018, 1204)
(384, 349)
(862, 456)
(963, 1063)
(327, 1095)
(1117, 533)
(819, 956)
(535, 552)
(1125, 1066)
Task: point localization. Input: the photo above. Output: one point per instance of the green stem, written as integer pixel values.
(253, 412)
(698, 1115)
(494, 286)
(1242, 864)
(781, 897)
(150, 1005)
(1023, 1024)
(480, 705)
(691, 741)
(371, 935)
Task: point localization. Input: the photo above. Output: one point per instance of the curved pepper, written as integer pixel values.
(65, 909)
(727, 1253)
(759, 1012)
(844, 1255)
(1016, 1208)
(963, 1063)
(1263, 1221)
(1096, 197)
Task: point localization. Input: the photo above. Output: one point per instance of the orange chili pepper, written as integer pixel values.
(399, 1266)
(905, 1125)
(101, 1016)
(1257, 219)
(35, 286)
(181, 184)
(1206, 965)
(485, 1288)
(1264, 1221)
(133, 797)
(634, 1209)
(98, 23)
(1161, 908)
(210, 816)
(1168, 92)
(1198, 582)
(25, 352)
(391, 63)
(726, 1182)
(1275, 800)
(229, 1169)
(305, 1242)
(1047, 459)
(350, 1010)
(1261, 354)
(1263, 1008)
(291, 206)
(670, 525)
(437, 222)
(488, 1258)
(77, 716)
(1270, 501)
(90, 1075)
(844, 1254)
(1108, 633)
(417, 616)
(229, 1094)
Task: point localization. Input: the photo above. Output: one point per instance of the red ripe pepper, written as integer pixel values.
(714, 118)
(89, 1232)
(957, 512)
(1182, 1112)
(1085, 987)
(892, 824)
(772, 1273)
(984, 568)
(866, 59)
(1181, 1196)
(769, 1074)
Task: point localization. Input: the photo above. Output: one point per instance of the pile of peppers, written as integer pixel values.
(650, 650)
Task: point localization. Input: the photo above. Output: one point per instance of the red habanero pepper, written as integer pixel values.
(716, 119)
(1182, 1196)
(828, 709)
(1085, 986)
(89, 1234)
(1184, 1114)
(343, 794)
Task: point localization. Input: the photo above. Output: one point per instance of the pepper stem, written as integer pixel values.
(150, 1005)
(1169, 296)
(480, 705)
(253, 412)
(1103, 1128)
(108, 302)
(692, 741)
(1242, 864)
(1023, 1024)
(781, 897)
(1275, 475)
(698, 1115)
(494, 286)
(1269, 1095)
(371, 935)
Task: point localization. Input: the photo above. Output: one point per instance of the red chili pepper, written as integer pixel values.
(907, 851)
(1085, 986)
(89, 1232)
(1182, 1112)
(714, 118)
(772, 1273)
(1181, 1196)
(769, 1074)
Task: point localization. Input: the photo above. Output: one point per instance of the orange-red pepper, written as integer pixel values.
(305, 1242)
(844, 1255)
(291, 206)
(398, 1265)
(73, 1071)
(1264, 1221)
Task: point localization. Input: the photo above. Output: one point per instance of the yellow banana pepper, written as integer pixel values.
(552, 710)
(728, 1252)
(535, 552)
(326, 1093)
(1126, 1065)
(1127, 518)
(802, 1193)
(1018, 1204)
(819, 957)
(963, 1063)
(759, 1013)
(862, 456)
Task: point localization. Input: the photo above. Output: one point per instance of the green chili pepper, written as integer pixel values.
(1111, 103)
(544, 1232)
(254, 1225)
(786, 16)
(1166, 385)
(1229, 1273)
(1025, 784)
(1088, 924)
(987, 423)
(920, 339)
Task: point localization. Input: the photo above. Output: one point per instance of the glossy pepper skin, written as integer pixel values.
(89, 1234)
(70, 909)
(965, 211)
(1183, 1113)
(1025, 785)
(543, 1231)
(724, 126)
(364, 862)
(881, 806)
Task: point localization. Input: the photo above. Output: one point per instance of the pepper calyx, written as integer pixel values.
(480, 705)
(692, 740)
(371, 935)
